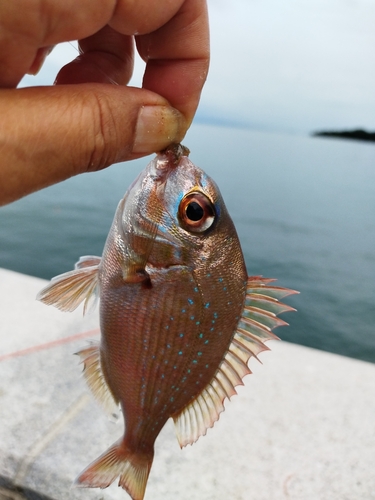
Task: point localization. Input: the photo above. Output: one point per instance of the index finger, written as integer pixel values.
(177, 57)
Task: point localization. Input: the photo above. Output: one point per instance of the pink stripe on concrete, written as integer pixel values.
(49, 345)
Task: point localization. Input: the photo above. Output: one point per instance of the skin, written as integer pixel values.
(83, 123)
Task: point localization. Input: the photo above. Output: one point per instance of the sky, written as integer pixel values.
(291, 66)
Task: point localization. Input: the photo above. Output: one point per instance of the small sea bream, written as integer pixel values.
(179, 317)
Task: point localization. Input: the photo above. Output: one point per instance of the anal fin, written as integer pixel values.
(93, 374)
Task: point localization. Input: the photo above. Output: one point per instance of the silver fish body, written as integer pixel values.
(179, 317)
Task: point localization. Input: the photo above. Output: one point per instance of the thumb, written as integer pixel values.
(48, 134)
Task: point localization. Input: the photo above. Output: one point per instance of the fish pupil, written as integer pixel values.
(194, 211)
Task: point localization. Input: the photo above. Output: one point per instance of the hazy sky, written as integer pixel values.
(293, 64)
(287, 65)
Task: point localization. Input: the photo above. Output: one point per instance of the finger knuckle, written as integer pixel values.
(103, 132)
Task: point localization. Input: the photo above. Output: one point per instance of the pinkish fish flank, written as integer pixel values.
(179, 316)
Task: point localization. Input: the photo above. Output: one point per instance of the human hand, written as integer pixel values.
(84, 123)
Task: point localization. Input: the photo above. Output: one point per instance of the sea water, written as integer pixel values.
(304, 209)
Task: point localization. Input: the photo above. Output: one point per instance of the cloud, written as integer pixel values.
(292, 65)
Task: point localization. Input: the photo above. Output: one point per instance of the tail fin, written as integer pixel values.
(132, 467)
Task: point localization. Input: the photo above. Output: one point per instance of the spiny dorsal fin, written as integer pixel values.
(259, 317)
(68, 290)
(93, 374)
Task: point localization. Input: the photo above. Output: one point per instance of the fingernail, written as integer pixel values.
(39, 59)
(157, 127)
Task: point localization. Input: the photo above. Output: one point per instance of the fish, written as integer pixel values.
(179, 316)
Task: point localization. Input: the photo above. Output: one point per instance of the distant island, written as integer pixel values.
(358, 135)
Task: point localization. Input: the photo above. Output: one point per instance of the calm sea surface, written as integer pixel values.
(304, 209)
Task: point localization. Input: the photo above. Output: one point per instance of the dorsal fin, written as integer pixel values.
(254, 328)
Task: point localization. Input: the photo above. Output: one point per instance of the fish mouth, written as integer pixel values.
(154, 225)
(167, 160)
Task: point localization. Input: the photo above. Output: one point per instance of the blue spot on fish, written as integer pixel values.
(204, 181)
(191, 301)
(207, 305)
(217, 209)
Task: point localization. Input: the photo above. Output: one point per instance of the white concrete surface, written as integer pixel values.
(302, 428)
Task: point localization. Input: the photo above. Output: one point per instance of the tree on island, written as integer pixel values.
(358, 134)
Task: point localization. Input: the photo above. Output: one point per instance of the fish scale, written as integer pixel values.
(179, 317)
(166, 347)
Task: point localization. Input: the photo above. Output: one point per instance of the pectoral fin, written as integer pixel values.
(68, 290)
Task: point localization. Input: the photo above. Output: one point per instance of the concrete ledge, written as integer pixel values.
(303, 427)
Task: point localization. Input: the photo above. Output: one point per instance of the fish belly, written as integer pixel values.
(161, 346)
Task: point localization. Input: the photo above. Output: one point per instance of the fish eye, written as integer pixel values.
(196, 212)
